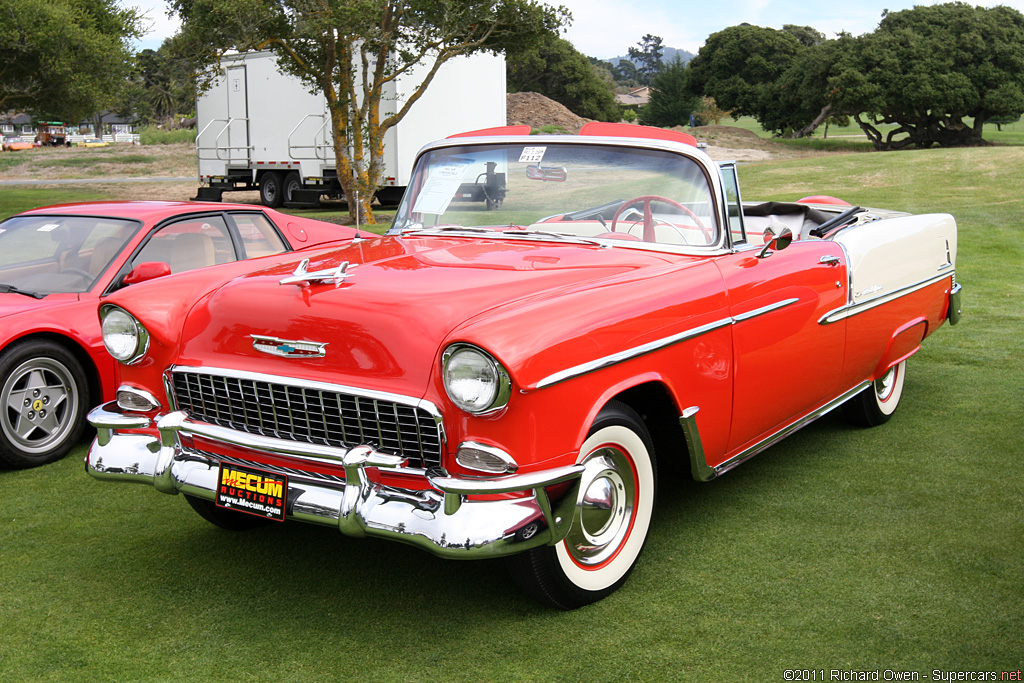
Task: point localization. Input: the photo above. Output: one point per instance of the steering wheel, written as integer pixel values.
(648, 199)
(84, 274)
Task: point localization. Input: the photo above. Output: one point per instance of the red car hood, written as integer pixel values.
(11, 304)
(386, 323)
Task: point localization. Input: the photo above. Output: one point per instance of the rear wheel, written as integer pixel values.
(225, 519)
(271, 192)
(292, 184)
(43, 401)
(609, 526)
(876, 404)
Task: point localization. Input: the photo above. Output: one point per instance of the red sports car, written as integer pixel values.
(58, 262)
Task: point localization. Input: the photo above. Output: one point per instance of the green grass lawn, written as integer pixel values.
(852, 138)
(897, 548)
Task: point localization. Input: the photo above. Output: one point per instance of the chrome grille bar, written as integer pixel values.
(314, 413)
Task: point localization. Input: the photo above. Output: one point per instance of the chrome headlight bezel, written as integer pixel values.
(491, 377)
(128, 353)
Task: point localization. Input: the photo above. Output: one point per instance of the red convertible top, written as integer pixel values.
(596, 128)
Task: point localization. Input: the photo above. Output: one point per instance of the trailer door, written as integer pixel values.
(238, 116)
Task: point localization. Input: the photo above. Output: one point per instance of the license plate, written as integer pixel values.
(252, 491)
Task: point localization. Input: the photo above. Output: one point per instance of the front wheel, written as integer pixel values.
(610, 524)
(876, 404)
(44, 398)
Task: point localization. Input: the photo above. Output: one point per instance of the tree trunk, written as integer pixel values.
(810, 127)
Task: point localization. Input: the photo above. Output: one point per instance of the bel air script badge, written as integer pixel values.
(287, 348)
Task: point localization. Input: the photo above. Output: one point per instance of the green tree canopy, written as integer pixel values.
(671, 102)
(167, 84)
(928, 68)
(647, 57)
(555, 69)
(351, 50)
(739, 65)
(64, 59)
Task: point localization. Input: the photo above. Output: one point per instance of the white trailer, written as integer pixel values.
(262, 129)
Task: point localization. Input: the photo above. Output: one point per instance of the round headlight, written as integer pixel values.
(124, 336)
(474, 380)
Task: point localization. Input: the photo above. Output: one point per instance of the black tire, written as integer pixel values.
(610, 527)
(271, 190)
(44, 398)
(390, 196)
(223, 518)
(876, 404)
(292, 183)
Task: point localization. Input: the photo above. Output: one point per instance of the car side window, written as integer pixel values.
(259, 238)
(733, 202)
(189, 244)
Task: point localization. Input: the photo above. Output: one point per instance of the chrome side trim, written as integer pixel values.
(853, 309)
(698, 460)
(650, 347)
(695, 447)
(622, 356)
(764, 309)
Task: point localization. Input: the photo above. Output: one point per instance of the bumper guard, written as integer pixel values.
(441, 520)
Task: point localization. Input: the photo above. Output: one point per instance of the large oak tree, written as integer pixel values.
(349, 50)
(928, 69)
(64, 59)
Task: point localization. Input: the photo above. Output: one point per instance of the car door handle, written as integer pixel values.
(829, 260)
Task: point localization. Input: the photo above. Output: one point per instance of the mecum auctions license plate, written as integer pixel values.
(252, 491)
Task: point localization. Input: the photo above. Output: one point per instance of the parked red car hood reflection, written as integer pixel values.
(385, 324)
(12, 304)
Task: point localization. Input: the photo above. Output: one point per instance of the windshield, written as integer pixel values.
(49, 254)
(589, 191)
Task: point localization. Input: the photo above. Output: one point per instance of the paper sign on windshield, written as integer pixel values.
(532, 155)
(441, 186)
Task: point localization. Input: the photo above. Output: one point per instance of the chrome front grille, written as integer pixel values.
(311, 413)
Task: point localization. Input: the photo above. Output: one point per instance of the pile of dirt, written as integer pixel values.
(538, 111)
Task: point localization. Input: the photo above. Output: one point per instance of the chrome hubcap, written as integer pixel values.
(885, 384)
(40, 399)
(603, 519)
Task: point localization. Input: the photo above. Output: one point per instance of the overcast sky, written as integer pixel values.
(607, 28)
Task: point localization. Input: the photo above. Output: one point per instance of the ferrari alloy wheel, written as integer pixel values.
(876, 404)
(610, 523)
(44, 397)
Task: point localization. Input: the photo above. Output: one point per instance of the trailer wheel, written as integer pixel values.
(292, 184)
(271, 193)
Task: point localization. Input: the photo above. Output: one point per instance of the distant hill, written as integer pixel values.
(667, 55)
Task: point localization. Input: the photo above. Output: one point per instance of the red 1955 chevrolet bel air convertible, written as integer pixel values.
(548, 320)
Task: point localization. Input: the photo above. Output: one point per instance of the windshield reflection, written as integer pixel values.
(51, 254)
(586, 191)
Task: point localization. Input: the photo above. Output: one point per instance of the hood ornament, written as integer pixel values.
(337, 275)
(288, 348)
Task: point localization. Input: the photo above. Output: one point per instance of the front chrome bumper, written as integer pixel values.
(441, 519)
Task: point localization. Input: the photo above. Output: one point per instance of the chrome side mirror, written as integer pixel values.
(775, 242)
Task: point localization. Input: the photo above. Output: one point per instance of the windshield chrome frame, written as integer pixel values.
(722, 245)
